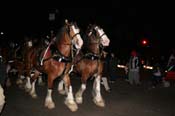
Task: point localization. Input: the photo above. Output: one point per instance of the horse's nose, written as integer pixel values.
(79, 42)
(105, 41)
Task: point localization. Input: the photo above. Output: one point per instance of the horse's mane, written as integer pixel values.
(85, 43)
(59, 34)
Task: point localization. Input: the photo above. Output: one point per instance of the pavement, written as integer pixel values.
(123, 100)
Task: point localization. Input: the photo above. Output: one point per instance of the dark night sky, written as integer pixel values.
(124, 22)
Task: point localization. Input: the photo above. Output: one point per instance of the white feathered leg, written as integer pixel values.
(28, 85)
(79, 94)
(33, 92)
(71, 104)
(61, 89)
(40, 80)
(97, 98)
(48, 101)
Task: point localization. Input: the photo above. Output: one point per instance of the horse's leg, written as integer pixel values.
(61, 89)
(20, 77)
(8, 82)
(97, 98)
(40, 80)
(69, 101)
(33, 79)
(28, 85)
(105, 83)
(48, 100)
(79, 94)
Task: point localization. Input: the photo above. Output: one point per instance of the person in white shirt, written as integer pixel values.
(134, 69)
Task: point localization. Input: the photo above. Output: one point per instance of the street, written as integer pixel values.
(123, 100)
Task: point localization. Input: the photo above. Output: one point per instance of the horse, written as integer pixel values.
(6, 55)
(15, 63)
(55, 61)
(88, 63)
(3, 59)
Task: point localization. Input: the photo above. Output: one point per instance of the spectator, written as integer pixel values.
(171, 60)
(105, 75)
(156, 76)
(134, 69)
(112, 68)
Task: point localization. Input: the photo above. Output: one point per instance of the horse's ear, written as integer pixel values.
(90, 25)
(66, 21)
(75, 24)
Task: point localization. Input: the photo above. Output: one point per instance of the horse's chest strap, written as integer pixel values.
(92, 56)
(62, 59)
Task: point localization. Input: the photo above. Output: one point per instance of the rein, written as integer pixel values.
(59, 56)
(53, 40)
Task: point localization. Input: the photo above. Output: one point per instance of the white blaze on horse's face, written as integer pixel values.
(103, 37)
(29, 43)
(77, 40)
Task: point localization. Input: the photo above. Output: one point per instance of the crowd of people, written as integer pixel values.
(132, 69)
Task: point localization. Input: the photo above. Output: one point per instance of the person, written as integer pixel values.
(126, 72)
(3, 74)
(112, 68)
(105, 74)
(134, 68)
(171, 60)
(156, 76)
(2, 98)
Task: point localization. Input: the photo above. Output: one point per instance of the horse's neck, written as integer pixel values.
(63, 45)
(95, 50)
(94, 45)
(78, 57)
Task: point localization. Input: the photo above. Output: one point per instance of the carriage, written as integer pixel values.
(169, 77)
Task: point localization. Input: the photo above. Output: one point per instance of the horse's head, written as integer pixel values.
(74, 33)
(99, 34)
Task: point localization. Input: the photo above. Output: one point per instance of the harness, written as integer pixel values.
(88, 54)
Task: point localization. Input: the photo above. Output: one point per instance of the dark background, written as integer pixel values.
(125, 22)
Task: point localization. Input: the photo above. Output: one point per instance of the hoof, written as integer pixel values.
(21, 86)
(62, 92)
(19, 81)
(33, 95)
(8, 83)
(79, 100)
(41, 84)
(72, 106)
(49, 105)
(99, 103)
(27, 90)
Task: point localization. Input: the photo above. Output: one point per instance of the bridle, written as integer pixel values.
(100, 36)
(59, 55)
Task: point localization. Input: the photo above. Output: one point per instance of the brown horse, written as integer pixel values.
(12, 64)
(88, 63)
(55, 61)
(16, 64)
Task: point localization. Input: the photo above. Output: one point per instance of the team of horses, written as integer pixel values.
(65, 53)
